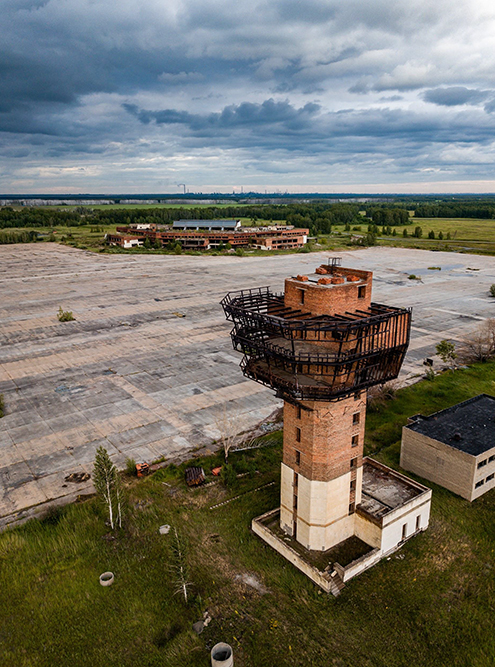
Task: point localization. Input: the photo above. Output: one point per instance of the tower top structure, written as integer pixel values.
(322, 339)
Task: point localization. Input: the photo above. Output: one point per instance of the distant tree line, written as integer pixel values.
(319, 216)
(388, 217)
(455, 210)
(23, 236)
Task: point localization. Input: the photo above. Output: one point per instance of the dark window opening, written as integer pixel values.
(356, 417)
(351, 508)
(418, 522)
(478, 484)
(490, 477)
(404, 531)
(298, 434)
(361, 292)
(355, 440)
(492, 458)
(482, 463)
(295, 502)
(296, 480)
(353, 463)
(353, 485)
(302, 296)
(298, 457)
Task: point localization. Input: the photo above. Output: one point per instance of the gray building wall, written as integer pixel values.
(437, 462)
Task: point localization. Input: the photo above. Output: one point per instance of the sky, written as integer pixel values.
(143, 96)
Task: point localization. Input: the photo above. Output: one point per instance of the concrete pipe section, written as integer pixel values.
(106, 579)
(222, 655)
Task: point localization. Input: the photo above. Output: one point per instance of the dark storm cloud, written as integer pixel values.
(455, 96)
(246, 114)
(116, 82)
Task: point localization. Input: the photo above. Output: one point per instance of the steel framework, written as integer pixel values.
(307, 357)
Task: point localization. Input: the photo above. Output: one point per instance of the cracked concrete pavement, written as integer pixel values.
(133, 375)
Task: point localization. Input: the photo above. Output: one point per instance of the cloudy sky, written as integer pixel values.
(311, 95)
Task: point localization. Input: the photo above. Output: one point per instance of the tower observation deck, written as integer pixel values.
(320, 345)
(323, 339)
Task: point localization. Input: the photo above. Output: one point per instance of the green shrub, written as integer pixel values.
(130, 466)
(492, 290)
(228, 475)
(65, 315)
(430, 374)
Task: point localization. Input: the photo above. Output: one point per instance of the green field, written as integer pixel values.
(467, 235)
(429, 606)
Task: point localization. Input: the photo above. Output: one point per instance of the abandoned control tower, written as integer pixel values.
(320, 345)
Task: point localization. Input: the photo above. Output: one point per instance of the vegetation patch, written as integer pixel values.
(65, 315)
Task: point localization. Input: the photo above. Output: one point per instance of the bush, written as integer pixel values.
(228, 475)
(430, 374)
(130, 467)
(65, 315)
(380, 394)
(2, 406)
(240, 252)
(492, 290)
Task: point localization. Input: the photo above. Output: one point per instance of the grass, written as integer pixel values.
(467, 236)
(432, 606)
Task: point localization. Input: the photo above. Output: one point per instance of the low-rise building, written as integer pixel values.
(124, 240)
(454, 448)
(278, 238)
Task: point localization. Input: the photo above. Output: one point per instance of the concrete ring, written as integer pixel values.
(106, 579)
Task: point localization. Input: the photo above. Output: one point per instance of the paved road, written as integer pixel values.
(134, 376)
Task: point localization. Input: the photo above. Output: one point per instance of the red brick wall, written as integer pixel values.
(327, 429)
(329, 299)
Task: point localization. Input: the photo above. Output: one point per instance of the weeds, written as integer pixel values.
(130, 467)
(65, 315)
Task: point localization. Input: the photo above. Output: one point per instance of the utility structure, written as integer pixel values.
(320, 345)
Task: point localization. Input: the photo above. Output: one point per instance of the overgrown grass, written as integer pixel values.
(433, 607)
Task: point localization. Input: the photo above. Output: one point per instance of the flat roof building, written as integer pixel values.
(210, 225)
(454, 448)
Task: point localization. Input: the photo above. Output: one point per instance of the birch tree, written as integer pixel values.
(107, 484)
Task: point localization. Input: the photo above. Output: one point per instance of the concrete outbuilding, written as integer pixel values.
(454, 448)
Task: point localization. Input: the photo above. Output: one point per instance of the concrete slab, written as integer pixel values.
(130, 372)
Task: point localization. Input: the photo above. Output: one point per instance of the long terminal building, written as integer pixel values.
(210, 234)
